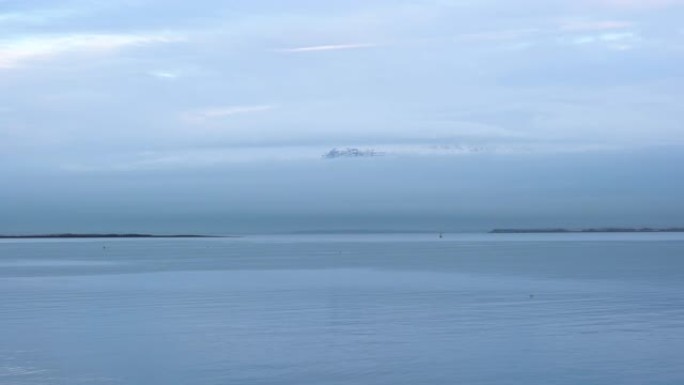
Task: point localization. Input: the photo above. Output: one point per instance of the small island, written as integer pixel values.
(77, 236)
(590, 230)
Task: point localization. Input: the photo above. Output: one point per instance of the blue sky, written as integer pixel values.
(97, 95)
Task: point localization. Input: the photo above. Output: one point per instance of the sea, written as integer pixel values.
(377, 309)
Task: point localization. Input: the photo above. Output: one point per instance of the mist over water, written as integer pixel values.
(344, 309)
(415, 194)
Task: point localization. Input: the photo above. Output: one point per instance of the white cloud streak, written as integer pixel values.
(35, 17)
(642, 4)
(209, 114)
(200, 158)
(500, 35)
(17, 52)
(594, 25)
(612, 40)
(331, 47)
(165, 74)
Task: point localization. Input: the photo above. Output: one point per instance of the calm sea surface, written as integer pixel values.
(344, 309)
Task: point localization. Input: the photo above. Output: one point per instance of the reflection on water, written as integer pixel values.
(372, 309)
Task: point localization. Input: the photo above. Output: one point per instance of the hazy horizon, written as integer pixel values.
(474, 194)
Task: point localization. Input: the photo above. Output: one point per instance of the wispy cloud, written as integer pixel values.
(331, 47)
(208, 114)
(642, 4)
(35, 17)
(612, 40)
(200, 158)
(500, 35)
(165, 74)
(16, 52)
(594, 25)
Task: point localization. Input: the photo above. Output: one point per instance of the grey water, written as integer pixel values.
(344, 309)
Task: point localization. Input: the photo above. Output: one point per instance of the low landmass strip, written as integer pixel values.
(72, 235)
(591, 230)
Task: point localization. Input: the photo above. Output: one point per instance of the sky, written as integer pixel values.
(213, 116)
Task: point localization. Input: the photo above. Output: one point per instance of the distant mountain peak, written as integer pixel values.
(351, 152)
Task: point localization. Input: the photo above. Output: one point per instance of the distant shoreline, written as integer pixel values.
(590, 230)
(89, 236)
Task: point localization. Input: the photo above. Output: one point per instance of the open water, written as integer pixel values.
(344, 309)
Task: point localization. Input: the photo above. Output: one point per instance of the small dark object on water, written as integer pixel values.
(531, 296)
